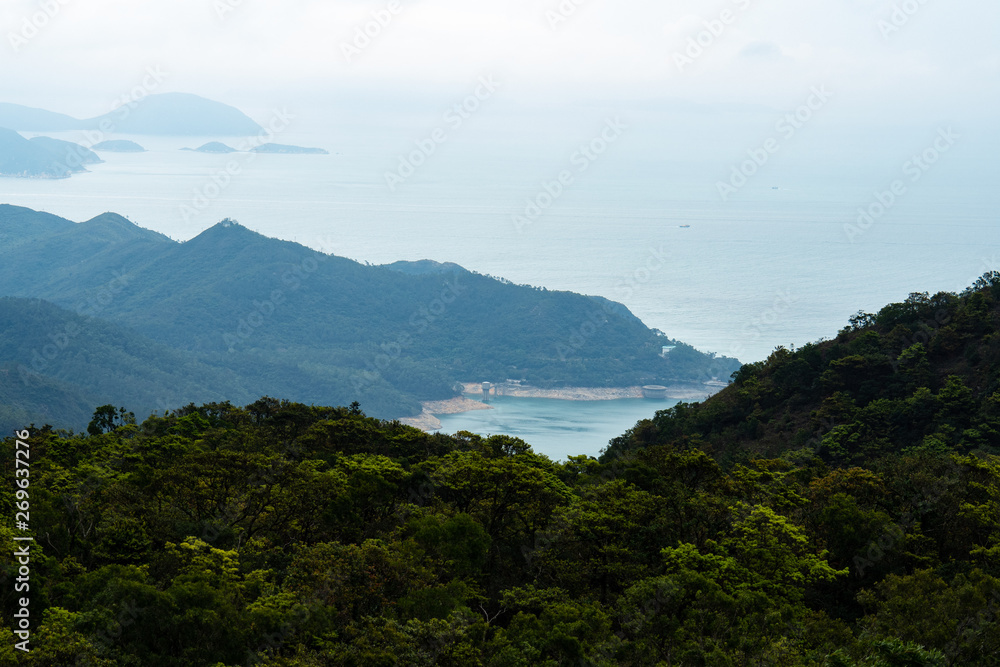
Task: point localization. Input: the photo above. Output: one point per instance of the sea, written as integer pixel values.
(782, 260)
(554, 427)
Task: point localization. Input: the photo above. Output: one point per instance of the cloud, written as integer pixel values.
(761, 50)
(84, 57)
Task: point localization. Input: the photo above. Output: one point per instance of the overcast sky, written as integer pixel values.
(943, 62)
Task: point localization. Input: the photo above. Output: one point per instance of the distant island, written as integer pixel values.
(170, 114)
(289, 150)
(423, 267)
(38, 158)
(212, 147)
(217, 147)
(119, 146)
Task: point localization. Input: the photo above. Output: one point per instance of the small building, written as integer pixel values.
(486, 391)
(667, 349)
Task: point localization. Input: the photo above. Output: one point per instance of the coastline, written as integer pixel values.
(427, 420)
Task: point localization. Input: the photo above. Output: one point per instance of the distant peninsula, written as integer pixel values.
(38, 158)
(73, 155)
(283, 149)
(119, 146)
(212, 147)
(167, 114)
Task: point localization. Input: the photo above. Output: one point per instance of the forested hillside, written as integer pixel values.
(278, 318)
(57, 365)
(921, 375)
(746, 530)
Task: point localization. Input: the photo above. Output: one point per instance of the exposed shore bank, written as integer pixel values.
(428, 421)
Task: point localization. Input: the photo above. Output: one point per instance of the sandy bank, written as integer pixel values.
(680, 392)
(427, 421)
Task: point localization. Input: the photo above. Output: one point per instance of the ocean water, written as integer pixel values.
(769, 267)
(776, 264)
(553, 427)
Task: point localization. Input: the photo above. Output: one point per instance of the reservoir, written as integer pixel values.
(554, 427)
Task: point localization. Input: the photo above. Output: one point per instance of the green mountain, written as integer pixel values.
(921, 375)
(179, 114)
(58, 365)
(286, 320)
(119, 146)
(837, 506)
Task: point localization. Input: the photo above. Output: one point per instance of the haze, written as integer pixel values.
(942, 64)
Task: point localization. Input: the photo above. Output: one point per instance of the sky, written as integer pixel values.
(701, 84)
(888, 62)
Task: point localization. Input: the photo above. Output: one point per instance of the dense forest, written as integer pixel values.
(252, 315)
(836, 505)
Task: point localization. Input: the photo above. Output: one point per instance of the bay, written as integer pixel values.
(769, 267)
(555, 427)
(776, 264)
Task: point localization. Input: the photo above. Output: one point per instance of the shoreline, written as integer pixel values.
(427, 420)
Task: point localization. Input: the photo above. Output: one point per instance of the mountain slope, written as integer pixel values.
(60, 366)
(290, 321)
(67, 152)
(76, 261)
(26, 159)
(180, 114)
(921, 375)
(21, 226)
(29, 119)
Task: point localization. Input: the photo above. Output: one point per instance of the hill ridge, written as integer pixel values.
(296, 322)
(176, 114)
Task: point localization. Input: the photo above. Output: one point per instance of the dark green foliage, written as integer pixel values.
(922, 375)
(287, 534)
(106, 419)
(805, 516)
